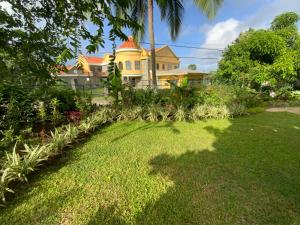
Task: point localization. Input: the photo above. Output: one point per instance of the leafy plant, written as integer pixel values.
(19, 166)
(152, 113)
(5, 179)
(180, 114)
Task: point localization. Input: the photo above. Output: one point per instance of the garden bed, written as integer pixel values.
(231, 171)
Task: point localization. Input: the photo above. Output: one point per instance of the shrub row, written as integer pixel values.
(19, 164)
(198, 112)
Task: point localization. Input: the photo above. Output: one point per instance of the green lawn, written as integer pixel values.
(240, 171)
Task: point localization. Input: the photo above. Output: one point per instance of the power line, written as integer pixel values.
(180, 46)
(186, 46)
(180, 57)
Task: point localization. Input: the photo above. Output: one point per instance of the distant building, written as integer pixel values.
(134, 63)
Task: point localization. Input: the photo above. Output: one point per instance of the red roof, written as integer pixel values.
(90, 59)
(130, 43)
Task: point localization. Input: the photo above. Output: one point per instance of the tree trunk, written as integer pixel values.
(152, 42)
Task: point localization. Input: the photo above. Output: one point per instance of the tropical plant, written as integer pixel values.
(165, 114)
(180, 114)
(58, 141)
(71, 133)
(19, 166)
(152, 113)
(4, 181)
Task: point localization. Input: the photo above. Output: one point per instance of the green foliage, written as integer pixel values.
(263, 57)
(31, 51)
(192, 67)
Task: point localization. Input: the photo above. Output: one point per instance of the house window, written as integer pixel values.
(125, 79)
(157, 66)
(176, 66)
(128, 65)
(120, 65)
(169, 66)
(137, 65)
(163, 67)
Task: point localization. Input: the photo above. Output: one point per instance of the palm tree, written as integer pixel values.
(172, 11)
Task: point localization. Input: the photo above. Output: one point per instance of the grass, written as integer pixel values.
(241, 171)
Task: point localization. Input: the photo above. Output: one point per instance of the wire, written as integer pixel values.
(180, 46)
(186, 46)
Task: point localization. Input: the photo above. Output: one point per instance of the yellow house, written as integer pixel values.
(135, 65)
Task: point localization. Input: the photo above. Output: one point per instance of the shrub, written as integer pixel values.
(153, 114)
(19, 166)
(180, 114)
(205, 111)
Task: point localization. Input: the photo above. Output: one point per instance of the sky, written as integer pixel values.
(233, 17)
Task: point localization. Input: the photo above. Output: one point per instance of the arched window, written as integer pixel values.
(128, 65)
(120, 66)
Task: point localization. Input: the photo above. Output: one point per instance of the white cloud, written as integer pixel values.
(225, 32)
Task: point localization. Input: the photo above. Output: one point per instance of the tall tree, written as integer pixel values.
(172, 12)
(37, 37)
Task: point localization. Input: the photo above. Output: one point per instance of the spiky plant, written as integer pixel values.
(6, 177)
(165, 114)
(58, 141)
(153, 113)
(19, 166)
(71, 133)
(180, 114)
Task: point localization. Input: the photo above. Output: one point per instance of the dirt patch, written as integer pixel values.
(284, 109)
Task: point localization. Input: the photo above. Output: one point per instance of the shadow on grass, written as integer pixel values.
(146, 126)
(252, 177)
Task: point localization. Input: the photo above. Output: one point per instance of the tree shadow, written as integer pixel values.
(147, 126)
(252, 177)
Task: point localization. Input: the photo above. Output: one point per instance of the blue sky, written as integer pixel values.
(233, 17)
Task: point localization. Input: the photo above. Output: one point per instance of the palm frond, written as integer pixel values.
(173, 12)
(139, 13)
(209, 7)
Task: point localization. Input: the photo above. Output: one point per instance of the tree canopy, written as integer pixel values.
(264, 57)
(37, 37)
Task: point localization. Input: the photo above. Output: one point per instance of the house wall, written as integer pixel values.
(132, 56)
(166, 57)
(164, 84)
